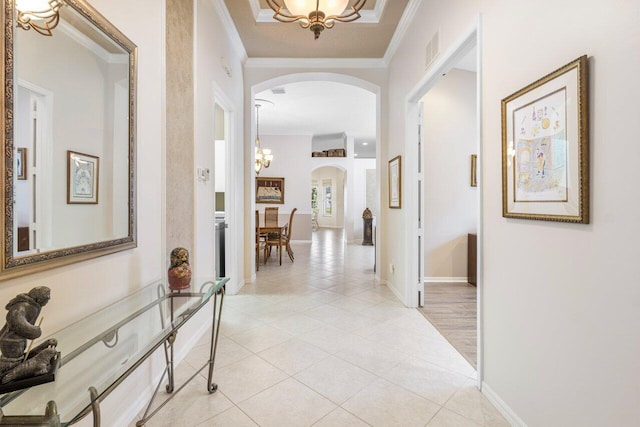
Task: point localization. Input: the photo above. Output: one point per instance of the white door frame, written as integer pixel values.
(232, 174)
(414, 261)
(43, 224)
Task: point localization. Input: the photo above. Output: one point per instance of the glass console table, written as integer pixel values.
(101, 350)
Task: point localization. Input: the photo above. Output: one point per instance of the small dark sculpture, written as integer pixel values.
(23, 311)
(367, 219)
(37, 365)
(180, 272)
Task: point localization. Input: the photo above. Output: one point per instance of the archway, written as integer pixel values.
(249, 151)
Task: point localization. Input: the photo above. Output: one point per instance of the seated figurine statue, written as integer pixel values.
(23, 311)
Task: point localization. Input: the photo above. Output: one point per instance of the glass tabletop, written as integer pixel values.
(99, 349)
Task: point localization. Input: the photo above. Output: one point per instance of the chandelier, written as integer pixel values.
(315, 15)
(41, 15)
(263, 155)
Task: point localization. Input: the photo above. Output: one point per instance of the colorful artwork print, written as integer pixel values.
(540, 135)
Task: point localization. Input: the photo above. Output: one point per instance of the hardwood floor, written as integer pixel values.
(452, 309)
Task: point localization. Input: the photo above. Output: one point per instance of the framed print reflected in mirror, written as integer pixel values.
(82, 178)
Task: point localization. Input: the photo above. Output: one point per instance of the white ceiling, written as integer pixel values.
(318, 108)
(321, 108)
(469, 62)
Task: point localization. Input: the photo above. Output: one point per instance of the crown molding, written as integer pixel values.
(315, 63)
(230, 29)
(369, 16)
(401, 30)
(255, 8)
(83, 40)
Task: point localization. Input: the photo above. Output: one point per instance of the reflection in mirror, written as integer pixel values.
(73, 141)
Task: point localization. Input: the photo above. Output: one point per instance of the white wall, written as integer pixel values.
(214, 85)
(291, 161)
(578, 300)
(560, 306)
(82, 107)
(450, 203)
(80, 289)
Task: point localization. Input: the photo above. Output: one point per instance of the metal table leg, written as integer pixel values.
(215, 329)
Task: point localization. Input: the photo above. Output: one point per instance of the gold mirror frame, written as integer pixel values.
(10, 265)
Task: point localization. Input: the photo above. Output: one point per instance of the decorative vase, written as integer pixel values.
(179, 274)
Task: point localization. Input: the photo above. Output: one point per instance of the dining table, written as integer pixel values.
(274, 228)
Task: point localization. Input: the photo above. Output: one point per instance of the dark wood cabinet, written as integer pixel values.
(472, 259)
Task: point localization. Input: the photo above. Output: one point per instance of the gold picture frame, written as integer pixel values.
(474, 170)
(270, 190)
(395, 183)
(21, 163)
(545, 147)
(83, 173)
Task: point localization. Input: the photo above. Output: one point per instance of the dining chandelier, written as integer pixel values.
(263, 155)
(41, 15)
(316, 15)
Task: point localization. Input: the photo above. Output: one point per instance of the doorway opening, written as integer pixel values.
(221, 195)
(33, 147)
(418, 174)
(450, 206)
(320, 120)
(331, 183)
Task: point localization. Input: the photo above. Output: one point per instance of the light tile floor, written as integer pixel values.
(321, 342)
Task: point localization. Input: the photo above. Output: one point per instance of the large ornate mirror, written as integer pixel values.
(69, 140)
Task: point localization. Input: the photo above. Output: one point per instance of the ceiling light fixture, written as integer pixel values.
(263, 156)
(41, 15)
(316, 15)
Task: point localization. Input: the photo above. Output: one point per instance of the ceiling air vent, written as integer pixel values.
(433, 48)
(278, 91)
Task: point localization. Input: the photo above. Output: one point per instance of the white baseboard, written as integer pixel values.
(502, 406)
(395, 291)
(445, 280)
(301, 241)
(232, 290)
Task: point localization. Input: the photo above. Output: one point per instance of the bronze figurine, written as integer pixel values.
(23, 311)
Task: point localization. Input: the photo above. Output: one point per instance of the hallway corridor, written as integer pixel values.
(321, 342)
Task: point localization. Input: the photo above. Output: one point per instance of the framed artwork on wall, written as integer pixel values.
(21, 163)
(82, 178)
(395, 183)
(270, 190)
(474, 170)
(545, 148)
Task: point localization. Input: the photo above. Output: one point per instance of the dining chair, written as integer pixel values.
(271, 217)
(285, 241)
(261, 242)
(289, 234)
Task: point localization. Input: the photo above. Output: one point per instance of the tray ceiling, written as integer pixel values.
(264, 37)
